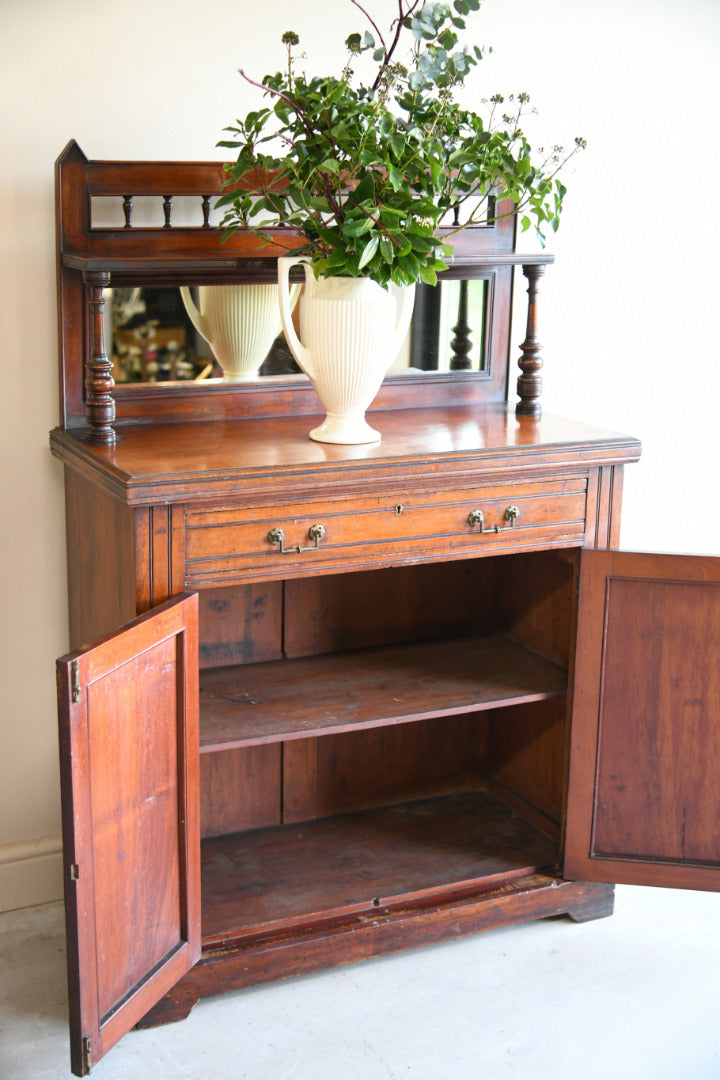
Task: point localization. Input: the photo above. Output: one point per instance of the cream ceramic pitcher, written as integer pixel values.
(239, 322)
(350, 332)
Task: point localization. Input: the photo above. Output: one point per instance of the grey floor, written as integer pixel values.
(632, 997)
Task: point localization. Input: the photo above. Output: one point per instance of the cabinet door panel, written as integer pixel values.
(129, 746)
(643, 804)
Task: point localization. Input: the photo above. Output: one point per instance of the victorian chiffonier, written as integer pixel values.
(325, 702)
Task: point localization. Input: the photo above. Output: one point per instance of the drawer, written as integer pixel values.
(286, 540)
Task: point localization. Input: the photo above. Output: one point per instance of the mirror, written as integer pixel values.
(448, 330)
(152, 339)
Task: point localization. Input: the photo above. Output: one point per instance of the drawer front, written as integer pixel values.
(226, 543)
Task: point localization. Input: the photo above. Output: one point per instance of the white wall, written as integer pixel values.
(629, 315)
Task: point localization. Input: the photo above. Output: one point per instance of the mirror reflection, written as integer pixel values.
(448, 327)
(154, 334)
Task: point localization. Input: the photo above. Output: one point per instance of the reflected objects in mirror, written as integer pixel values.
(152, 339)
(155, 337)
(448, 330)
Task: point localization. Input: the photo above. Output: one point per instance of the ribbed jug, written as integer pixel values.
(239, 322)
(350, 332)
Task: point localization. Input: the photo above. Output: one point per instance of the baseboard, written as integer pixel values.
(31, 873)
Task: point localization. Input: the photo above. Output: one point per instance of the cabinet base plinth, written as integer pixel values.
(361, 937)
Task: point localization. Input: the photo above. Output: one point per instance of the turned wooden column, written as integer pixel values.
(461, 343)
(529, 384)
(99, 383)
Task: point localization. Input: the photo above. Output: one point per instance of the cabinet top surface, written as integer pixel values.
(173, 462)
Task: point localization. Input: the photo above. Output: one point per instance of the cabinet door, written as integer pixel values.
(129, 754)
(644, 786)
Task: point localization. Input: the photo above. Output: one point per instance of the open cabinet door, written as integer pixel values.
(644, 786)
(129, 758)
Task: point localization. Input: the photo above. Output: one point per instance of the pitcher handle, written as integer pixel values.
(296, 347)
(405, 299)
(196, 318)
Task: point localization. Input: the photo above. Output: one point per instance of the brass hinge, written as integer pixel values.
(87, 1053)
(75, 681)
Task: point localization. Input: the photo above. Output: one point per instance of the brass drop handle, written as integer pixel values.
(476, 518)
(277, 536)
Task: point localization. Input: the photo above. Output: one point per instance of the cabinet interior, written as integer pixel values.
(374, 738)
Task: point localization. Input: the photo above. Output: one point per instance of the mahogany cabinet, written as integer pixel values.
(289, 747)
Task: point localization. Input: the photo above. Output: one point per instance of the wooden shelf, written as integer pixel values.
(198, 256)
(294, 699)
(274, 879)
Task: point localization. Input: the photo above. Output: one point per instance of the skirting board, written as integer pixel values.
(31, 873)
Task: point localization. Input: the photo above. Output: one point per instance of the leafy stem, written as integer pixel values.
(398, 25)
(362, 175)
(278, 93)
(371, 21)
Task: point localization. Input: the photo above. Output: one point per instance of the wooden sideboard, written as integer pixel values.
(345, 700)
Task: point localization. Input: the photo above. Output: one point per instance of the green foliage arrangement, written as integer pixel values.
(366, 173)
